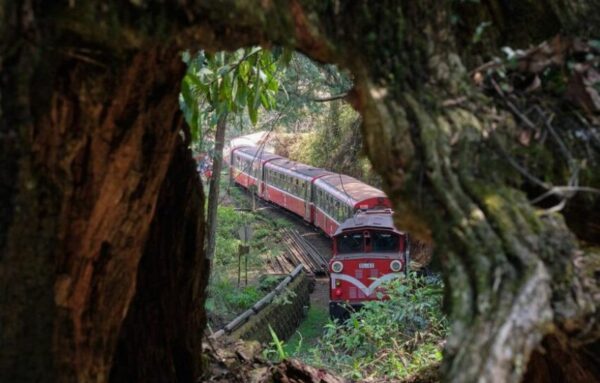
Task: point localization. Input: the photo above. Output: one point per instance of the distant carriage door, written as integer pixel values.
(286, 188)
(306, 197)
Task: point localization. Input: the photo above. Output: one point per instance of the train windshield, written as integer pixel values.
(350, 243)
(383, 242)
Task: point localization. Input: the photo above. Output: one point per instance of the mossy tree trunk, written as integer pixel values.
(510, 271)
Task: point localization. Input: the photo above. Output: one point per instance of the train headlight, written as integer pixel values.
(396, 265)
(337, 267)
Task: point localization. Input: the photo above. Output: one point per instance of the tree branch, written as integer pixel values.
(330, 98)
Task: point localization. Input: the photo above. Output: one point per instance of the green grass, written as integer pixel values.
(392, 339)
(225, 299)
(309, 332)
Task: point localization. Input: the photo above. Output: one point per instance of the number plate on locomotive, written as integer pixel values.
(366, 266)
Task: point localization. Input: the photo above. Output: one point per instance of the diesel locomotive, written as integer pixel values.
(367, 249)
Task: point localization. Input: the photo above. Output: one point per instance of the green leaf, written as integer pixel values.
(273, 85)
(261, 75)
(479, 31)
(205, 72)
(253, 114)
(244, 70)
(186, 57)
(257, 93)
(278, 343)
(229, 82)
(264, 101)
(241, 94)
(194, 80)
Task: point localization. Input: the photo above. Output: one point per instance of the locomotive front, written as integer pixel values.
(367, 252)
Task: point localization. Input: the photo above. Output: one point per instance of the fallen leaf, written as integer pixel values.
(582, 89)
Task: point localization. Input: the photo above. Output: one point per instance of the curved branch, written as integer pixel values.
(331, 98)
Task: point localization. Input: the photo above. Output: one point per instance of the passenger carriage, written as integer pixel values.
(338, 197)
(290, 185)
(247, 166)
(367, 252)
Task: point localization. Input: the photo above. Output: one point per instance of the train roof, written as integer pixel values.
(381, 219)
(350, 187)
(307, 171)
(256, 152)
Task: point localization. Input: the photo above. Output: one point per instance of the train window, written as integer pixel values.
(350, 243)
(384, 242)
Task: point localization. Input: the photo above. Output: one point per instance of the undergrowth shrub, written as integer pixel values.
(388, 339)
(225, 299)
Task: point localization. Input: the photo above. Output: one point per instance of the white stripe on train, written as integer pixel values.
(366, 290)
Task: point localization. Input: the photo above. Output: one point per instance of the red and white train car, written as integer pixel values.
(290, 185)
(367, 252)
(368, 249)
(247, 166)
(338, 197)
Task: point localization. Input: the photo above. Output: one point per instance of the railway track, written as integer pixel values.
(300, 251)
(304, 244)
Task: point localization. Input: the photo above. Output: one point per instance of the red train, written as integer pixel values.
(367, 249)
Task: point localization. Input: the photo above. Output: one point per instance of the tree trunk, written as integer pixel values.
(213, 194)
(100, 242)
(169, 289)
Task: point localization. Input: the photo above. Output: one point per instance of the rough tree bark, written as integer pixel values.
(91, 213)
(90, 126)
(170, 297)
